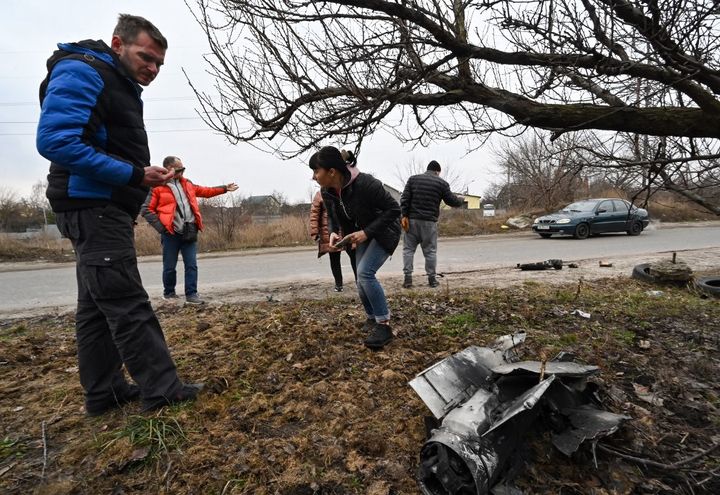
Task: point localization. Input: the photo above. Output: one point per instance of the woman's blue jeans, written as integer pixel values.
(370, 256)
(172, 246)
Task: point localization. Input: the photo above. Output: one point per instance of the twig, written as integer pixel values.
(697, 456)
(648, 462)
(713, 474)
(166, 476)
(44, 441)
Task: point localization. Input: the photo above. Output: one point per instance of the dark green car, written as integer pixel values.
(593, 216)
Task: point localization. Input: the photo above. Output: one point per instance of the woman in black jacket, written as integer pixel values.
(358, 203)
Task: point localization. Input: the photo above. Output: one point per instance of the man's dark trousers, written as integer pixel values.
(115, 322)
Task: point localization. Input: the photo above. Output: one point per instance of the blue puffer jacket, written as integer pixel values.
(91, 129)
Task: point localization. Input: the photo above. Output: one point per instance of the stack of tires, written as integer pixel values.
(706, 285)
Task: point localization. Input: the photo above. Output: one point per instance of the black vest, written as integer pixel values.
(119, 111)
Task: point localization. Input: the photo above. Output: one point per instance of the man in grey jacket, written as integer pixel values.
(420, 207)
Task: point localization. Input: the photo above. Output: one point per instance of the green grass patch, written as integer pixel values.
(626, 337)
(459, 324)
(11, 448)
(159, 434)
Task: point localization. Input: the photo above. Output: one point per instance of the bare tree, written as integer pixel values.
(10, 209)
(542, 174)
(301, 73)
(223, 214)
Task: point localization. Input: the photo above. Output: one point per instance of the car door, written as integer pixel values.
(621, 209)
(604, 218)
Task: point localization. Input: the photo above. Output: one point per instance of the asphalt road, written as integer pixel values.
(25, 288)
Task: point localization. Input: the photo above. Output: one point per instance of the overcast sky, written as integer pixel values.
(32, 28)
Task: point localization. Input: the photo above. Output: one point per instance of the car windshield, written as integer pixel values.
(581, 206)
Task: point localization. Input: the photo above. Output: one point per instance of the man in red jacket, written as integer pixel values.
(172, 209)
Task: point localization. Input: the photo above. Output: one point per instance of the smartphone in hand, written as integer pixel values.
(344, 242)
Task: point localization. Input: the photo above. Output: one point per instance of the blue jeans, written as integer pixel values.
(172, 246)
(370, 256)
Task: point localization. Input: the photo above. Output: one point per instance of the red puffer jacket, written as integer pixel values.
(160, 205)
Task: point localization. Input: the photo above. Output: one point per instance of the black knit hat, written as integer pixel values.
(434, 166)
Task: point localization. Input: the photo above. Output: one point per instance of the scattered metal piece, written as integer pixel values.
(605, 264)
(586, 423)
(580, 313)
(541, 265)
(568, 369)
(487, 403)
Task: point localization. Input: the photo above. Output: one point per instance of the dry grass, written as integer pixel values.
(42, 248)
(296, 405)
(289, 231)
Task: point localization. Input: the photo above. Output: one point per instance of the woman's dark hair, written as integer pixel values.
(313, 162)
(329, 157)
(349, 158)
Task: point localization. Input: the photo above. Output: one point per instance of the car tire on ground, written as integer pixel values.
(642, 272)
(582, 231)
(545, 236)
(635, 228)
(709, 285)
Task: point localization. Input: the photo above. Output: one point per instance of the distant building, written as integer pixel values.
(470, 202)
(262, 209)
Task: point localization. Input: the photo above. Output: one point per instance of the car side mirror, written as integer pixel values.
(601, 210)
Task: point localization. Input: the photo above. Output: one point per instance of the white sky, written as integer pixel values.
(32, 28)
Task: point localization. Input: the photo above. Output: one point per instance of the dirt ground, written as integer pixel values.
(294, 404)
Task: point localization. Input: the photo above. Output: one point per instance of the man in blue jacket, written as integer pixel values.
(91, 129)
(420, 206)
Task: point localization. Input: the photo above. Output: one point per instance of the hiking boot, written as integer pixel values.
(188, 392)
(407, 283)
(380, 335)
(194, 299)
(338, 288)
(432, 281)
(170, 297)
(368, 325)
(132, 392)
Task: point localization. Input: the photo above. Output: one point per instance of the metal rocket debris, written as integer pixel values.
(486, 401)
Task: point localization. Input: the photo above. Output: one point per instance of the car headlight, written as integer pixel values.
(563, 220)
(536, 221)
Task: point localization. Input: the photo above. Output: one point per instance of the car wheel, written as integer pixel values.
(709, 285)
(635, 228)
(582, 231)
(545, 236)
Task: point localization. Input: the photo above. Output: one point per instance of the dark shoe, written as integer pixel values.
(194, 299)
(407, 283)
(132, 393)
(188, 392)
(432, 281)
(368, 325)
(338, 288)
(170, 297)
(379, 336)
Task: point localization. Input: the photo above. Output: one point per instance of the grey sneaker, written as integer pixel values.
(407, 283)
(194, 299)
(170, 297)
